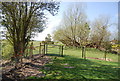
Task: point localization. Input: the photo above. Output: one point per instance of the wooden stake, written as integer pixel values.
(105, 55)
(62, 51)
(40, 49)
(31, 50)
(46, 48)
(82, 52)
(59, 50)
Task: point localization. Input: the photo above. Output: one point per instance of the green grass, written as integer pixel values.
(51, 49)
(81, 68)
(90, 52)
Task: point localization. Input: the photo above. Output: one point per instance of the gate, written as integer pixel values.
(51, 49)
(44, 49)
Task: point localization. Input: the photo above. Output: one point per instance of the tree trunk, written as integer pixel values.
(18, 53)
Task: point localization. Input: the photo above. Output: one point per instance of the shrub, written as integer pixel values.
(7, 50)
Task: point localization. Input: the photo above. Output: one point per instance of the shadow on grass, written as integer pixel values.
(81, 69)
(57, 55)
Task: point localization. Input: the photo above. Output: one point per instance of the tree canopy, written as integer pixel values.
(23, 19)
(99, 31)
(74, 27)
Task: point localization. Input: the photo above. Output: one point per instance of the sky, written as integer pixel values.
(94, 10)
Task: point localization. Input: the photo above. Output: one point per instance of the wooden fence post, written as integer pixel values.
(27, 52)
(40, 49)
(59, 50)
(62, 51)
(83, 52)
(31, 50)
(46, 48)
(105, 54)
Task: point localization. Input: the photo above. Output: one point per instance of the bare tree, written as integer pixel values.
(99, 32)
(74, 26)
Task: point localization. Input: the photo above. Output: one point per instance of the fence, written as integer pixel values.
(44, 49)
(48, 48)
(102, 55)
(53, 49)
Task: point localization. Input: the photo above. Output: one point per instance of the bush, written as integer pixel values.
(7, 50)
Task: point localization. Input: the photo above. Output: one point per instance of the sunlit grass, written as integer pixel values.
(72, 66)
(90, 52)
(82, 69)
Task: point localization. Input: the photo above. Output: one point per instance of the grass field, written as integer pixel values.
(90, 52)
(77, 52)
(72, 66)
